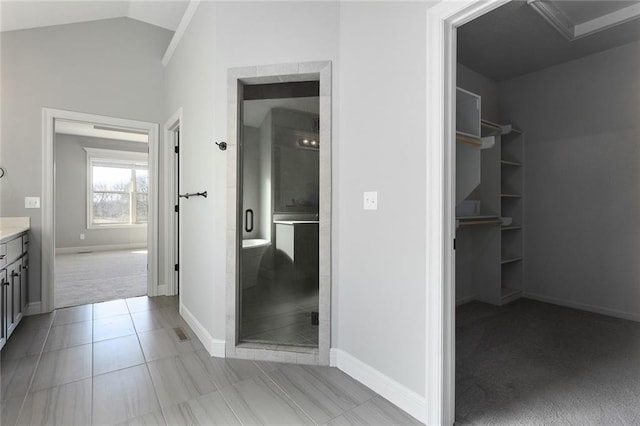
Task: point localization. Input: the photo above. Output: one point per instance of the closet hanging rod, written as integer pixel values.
(194, 194)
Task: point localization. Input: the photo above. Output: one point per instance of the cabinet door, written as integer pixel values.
(13, 282)
(24, 284)
(3, 308)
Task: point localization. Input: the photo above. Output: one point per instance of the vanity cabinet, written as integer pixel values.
(14, 268)
(298, 241)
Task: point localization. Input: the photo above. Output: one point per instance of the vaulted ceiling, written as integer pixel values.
(24, 14)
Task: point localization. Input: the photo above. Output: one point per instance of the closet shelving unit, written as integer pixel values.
(489, 255)
(511, 179)
(470, 141)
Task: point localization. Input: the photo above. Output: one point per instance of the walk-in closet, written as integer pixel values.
(547, 197)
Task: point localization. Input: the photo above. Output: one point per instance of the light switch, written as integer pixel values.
(31, 202)
(371, 200)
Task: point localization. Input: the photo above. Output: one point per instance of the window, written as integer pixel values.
(118, 188)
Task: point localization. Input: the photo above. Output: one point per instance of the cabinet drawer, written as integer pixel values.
(14, 249)
(3, 255)
(25, 243)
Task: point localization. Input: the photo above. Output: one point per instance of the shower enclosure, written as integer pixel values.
(278, 198)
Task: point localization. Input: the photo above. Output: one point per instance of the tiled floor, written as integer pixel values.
(281, 317)
(100, 276)
(121, 362)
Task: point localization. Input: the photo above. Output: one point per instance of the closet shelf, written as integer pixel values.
(477, 221)
(510, 195)
(495, 129)
(467, 138)
(511, 227)
(478, 216)
(506, 260)
(510, 163)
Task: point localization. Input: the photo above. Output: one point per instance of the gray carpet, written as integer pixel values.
(532, 363)
(99, 276)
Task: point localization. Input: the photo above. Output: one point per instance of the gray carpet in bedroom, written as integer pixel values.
(99, 276)
(532, 363)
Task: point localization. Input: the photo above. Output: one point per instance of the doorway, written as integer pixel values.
(101, 213)
(294, 269)
(108, 203)
(554, 117)
(172, 137)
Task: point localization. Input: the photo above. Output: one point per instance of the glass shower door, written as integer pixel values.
(279, 201)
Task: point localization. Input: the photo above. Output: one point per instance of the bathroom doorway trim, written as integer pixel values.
(49, 116)
(443, 19)
(280, 73)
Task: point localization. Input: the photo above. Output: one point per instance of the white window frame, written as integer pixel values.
(96, 156)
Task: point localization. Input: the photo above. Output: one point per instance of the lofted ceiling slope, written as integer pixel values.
(25, 14)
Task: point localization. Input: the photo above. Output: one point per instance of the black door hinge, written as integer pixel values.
(175, 268)
(454, 243)
(176, 208)
(315, 318)
(176, 149)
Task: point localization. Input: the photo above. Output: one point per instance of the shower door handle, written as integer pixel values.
(248, 220)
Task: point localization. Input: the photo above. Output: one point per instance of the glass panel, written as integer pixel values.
(111, 178)
(142, 208)
(142, 180)
(110, 208)
(279, 193)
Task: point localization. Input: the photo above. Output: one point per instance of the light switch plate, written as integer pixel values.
(371, 200)
(31, 202)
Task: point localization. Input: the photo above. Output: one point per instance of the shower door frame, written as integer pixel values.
(279, 73)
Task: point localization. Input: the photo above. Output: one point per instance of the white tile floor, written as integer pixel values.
(121, 362)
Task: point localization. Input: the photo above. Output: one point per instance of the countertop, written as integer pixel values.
(13, 226)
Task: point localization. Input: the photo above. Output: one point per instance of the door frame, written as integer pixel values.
(171, 193)
(49, 116)
(442, 22)
(279, 73)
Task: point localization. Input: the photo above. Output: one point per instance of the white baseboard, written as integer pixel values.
(105, 247)
(406, 399)
(163, 290)
(215, 347)
(585, 307)
(34, 308)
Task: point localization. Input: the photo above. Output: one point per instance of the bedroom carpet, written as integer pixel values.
(99, 276)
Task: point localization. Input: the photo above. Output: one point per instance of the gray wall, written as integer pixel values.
(483, 86)
(111, 67)
(582, 179)
(378, 275)
(251, 187)
(71, 195)
(474, 273)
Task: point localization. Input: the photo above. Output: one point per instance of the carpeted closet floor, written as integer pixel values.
(532, 363)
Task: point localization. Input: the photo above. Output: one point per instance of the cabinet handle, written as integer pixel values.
(14, 274)
(25, 267)
(4, 282)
